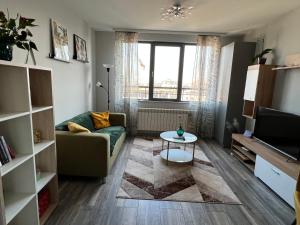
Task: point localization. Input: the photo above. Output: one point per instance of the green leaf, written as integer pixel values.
(2, 17)
(32, 45)
(26, 22)
(22, 23)
(26, 46)
(11, 24)
(23, 36)
(20, 45)
(29, 33)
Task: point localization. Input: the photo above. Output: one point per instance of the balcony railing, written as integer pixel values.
(187, 94)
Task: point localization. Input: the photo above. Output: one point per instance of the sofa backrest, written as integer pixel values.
(83, 119)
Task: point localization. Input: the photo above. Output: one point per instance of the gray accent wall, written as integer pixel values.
(73, 82)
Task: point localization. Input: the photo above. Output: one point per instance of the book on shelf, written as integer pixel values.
(3, 155)
(5, 147)
(7, 153)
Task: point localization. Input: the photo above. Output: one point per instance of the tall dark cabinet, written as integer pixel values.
(234, 62)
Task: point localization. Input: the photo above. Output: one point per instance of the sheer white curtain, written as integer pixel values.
(205, 84)
(126, 82)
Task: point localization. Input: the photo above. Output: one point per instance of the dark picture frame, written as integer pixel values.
(80, 52)
(60, 42)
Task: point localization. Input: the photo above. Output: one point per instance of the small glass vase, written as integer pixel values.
(180, 131)
(6, 51)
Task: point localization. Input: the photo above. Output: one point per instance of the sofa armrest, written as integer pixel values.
(83, 154)
(117, 119)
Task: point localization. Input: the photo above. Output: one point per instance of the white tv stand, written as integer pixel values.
(272, 167)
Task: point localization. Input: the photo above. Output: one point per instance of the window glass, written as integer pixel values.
(166, 70)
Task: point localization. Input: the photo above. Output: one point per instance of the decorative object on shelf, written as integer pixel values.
(259, 58)
(44, 201)
(175, 11)
(248, 134)
(180, 131)
(80, 52)
(36, 136)
(14, 31)
(60, 46)
(38, 174)
(99, 84)
(292, 60)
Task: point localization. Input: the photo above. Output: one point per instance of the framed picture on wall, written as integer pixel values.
(80, 52)
(60, 45)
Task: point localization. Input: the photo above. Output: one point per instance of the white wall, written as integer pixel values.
(72, 82)
(284, 36)
(105, 42)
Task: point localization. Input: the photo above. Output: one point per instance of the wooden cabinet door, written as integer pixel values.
(251, 84)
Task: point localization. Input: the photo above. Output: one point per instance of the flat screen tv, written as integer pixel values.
(280, 130)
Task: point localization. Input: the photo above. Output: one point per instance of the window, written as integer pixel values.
(166, 71)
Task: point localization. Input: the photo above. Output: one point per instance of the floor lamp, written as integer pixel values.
(99, 84)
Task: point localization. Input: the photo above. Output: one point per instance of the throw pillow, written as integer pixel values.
(101, 120)
(76, 128)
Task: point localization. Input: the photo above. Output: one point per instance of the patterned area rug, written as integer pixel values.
(147, 176)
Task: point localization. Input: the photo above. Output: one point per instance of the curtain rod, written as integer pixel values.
(169, 32)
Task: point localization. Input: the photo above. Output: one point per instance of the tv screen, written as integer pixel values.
(278, 129)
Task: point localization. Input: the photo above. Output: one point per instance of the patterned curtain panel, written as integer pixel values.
(205, 84)
(126, 83)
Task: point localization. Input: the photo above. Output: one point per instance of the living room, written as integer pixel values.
(160, 112)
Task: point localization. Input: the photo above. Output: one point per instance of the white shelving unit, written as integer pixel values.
(26, 103)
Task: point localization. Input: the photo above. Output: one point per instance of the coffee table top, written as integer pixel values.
(171, 137)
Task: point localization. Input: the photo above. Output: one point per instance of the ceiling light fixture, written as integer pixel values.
(176, 11)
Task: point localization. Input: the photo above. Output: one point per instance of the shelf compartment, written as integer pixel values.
(28, 215)
(14, 94)
(40, 87)
(47, 214)
(16, 133)
(45, 178)
(249, 109)
(38, 147)
(43, 121)
(14, 203)
(46, 163)
(16, 197)
(21, 158)
(249, 164)
(53, 190)
(248, 154)
(36, 109)
(11, 115)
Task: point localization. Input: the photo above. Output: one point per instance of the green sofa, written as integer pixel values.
(89, 154)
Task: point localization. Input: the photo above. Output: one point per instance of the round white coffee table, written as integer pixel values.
(177, 155)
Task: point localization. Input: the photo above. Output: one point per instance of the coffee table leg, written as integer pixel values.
(193, 153)
(184, 147)
(168, 153)
(162, 144)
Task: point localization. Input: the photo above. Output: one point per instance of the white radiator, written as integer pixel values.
(157, 119)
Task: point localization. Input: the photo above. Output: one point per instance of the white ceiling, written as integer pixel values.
(221, 16)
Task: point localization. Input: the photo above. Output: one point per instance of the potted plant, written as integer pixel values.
(14, 31)
(260, 57)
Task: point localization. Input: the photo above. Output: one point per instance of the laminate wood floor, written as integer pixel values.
(86, 201)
